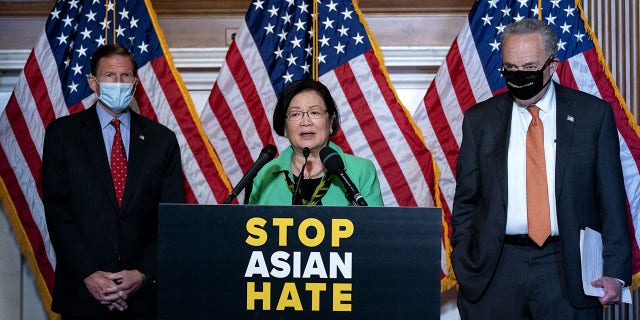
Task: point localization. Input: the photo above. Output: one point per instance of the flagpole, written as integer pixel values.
(314, 29)
(106, 21)
(114, 20)
(539, 9)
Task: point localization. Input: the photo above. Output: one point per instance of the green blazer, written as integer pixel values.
(269, 186)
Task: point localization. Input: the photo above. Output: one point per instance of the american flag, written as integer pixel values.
(274, 47)
(470, 74)
(53, 84)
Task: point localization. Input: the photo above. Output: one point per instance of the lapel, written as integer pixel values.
(94, 143)
(502, 130)
(565, 110)
(137, 150)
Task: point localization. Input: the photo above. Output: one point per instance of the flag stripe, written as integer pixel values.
(227, 137)
(397, 154)
(565, 75)
(419, 154)
(200, 169)
(473, 65)
(27, 147)
(250, 96)
(244, 85)
(365, 118)
(46, 65)
(460, 82)
(200, 161)
(23, 156)
(32, 227)
(242, 92)
(442, 129)
(142, 99)
(232, 131)
(36, 82)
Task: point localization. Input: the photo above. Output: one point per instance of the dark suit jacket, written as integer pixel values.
(589, 191)
(88, 230)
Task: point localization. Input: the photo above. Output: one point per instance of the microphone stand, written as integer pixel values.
(297, 196)
(267, 153)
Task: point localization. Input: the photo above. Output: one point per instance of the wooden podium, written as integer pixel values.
(296, 262)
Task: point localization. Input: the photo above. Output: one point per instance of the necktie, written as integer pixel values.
(537, 196)
(118, 162)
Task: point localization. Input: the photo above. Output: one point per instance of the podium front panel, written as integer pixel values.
(296, 262)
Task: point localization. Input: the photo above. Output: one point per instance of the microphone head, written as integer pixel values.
(306, 152)
(269, 151)
(331, 160)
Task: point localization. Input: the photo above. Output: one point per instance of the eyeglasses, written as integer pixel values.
(528, 68)
(313, 114)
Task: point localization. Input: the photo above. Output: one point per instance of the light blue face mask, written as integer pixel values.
(116, 96)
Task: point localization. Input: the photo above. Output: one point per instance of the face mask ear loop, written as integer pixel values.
(135, 86)
(548, 62)
(94, 79)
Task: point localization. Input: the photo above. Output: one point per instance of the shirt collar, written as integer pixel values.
(105, 118)
(546, 103)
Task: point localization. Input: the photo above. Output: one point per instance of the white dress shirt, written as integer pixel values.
(517, 163)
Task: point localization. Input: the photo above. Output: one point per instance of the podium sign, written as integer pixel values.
(298, 262)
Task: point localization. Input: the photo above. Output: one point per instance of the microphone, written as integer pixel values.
(266, 155)
(297, 196)
(333, 162)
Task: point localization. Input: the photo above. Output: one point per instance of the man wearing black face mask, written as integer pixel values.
(537, 164)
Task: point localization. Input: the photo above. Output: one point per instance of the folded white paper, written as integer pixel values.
(591, 261)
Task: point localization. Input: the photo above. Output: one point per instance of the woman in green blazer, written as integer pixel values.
(307, 115)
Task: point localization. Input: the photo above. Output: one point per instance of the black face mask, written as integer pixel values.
(524, 85)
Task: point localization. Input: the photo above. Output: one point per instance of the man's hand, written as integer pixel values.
(612, 290)
(119, 305)
(103, 288)
(127, 282)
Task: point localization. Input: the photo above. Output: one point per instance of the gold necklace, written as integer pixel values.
(313, 176)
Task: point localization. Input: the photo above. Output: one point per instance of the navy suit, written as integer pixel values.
(589, 191)
(88, 230)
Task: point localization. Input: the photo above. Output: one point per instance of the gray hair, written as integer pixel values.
(528, 26)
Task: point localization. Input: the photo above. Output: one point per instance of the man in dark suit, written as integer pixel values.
(507, 266)
(103, 223)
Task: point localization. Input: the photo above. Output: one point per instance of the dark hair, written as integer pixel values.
(111, 50)
(529, 26)
(290, 91)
